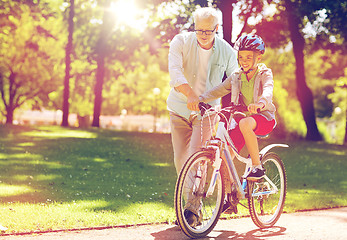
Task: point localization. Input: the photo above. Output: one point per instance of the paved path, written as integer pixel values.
(317, 225)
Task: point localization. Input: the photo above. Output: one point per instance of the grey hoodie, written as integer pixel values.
(263, 90)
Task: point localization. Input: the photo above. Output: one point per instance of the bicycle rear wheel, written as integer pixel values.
(266, 197)
(190, 194)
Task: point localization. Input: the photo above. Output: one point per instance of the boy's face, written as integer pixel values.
(246, 59)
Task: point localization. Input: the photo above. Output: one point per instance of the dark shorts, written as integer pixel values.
(263, 128)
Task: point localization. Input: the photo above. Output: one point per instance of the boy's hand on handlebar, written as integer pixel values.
(255, 107)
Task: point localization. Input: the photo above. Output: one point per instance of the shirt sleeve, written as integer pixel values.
(176, 62)
(217, 92)
(232, 64)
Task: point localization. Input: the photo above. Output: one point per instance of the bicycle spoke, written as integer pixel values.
(208, 208)
(266, 198)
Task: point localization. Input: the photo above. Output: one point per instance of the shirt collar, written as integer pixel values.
(214, 42)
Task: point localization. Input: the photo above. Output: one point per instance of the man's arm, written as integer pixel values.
(192, 98)
(176, 62)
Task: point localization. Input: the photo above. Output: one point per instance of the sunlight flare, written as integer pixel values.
(127, 13)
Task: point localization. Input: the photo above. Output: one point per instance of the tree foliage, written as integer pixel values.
(133, 91)
(34, 35)
(29, 54)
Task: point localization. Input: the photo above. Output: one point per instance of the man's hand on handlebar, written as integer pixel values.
(192, 98)
(193, 102)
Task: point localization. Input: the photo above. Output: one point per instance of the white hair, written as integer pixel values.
(206, 13)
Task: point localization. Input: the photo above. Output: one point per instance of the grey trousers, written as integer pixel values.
(186, 136)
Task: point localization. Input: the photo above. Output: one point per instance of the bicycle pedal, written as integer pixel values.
(257, 180)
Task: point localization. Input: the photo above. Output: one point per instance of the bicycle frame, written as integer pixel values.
(221, 142)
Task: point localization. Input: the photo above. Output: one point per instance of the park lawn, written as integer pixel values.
(65, 178)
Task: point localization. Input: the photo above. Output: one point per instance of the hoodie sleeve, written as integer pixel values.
(267, 88)
(217, 92)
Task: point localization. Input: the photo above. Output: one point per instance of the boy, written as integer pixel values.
(252, 85)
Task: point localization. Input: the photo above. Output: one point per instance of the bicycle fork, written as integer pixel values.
(231, 170)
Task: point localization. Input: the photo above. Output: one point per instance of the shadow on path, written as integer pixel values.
(175, 233)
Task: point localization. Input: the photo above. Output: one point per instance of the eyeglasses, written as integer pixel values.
(207, 32)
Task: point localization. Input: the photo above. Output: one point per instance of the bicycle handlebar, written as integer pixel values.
(203, 107)
(239, 108)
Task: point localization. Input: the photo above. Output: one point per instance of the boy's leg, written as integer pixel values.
(250, 127)
(256, 124)
(237, 137)
(247, 127)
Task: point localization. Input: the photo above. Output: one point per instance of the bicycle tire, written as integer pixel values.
(266, 209)
(211, 207)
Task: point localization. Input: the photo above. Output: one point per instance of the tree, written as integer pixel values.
(133, 91)
(309, 25)
(99, 46)
(115, 44)
(304, 94)
(337, 29)
(29, 54)
(101, 52)
(68, 51)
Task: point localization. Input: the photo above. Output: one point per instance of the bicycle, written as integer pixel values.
(200, 187)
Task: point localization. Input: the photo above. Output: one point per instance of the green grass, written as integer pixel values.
(61, 178)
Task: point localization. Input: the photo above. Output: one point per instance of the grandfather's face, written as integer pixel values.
(205, 30)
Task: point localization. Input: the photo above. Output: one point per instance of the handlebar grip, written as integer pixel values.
(203, 107)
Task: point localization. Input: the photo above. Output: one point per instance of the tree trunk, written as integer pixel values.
(227, 11)
(345, 140)
(9, 115)
(10, 106)
(101, 49)
(304, 94)
(68, 50)
(98, 90)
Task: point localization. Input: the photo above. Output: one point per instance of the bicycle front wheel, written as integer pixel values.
(266, 197)
(197, 213)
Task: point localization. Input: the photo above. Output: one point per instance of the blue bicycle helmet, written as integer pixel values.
(250, 43)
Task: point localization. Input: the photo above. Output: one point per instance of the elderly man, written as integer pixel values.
(197, 62)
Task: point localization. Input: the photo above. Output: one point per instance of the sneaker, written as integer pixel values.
(193, 219)
(256, 174)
